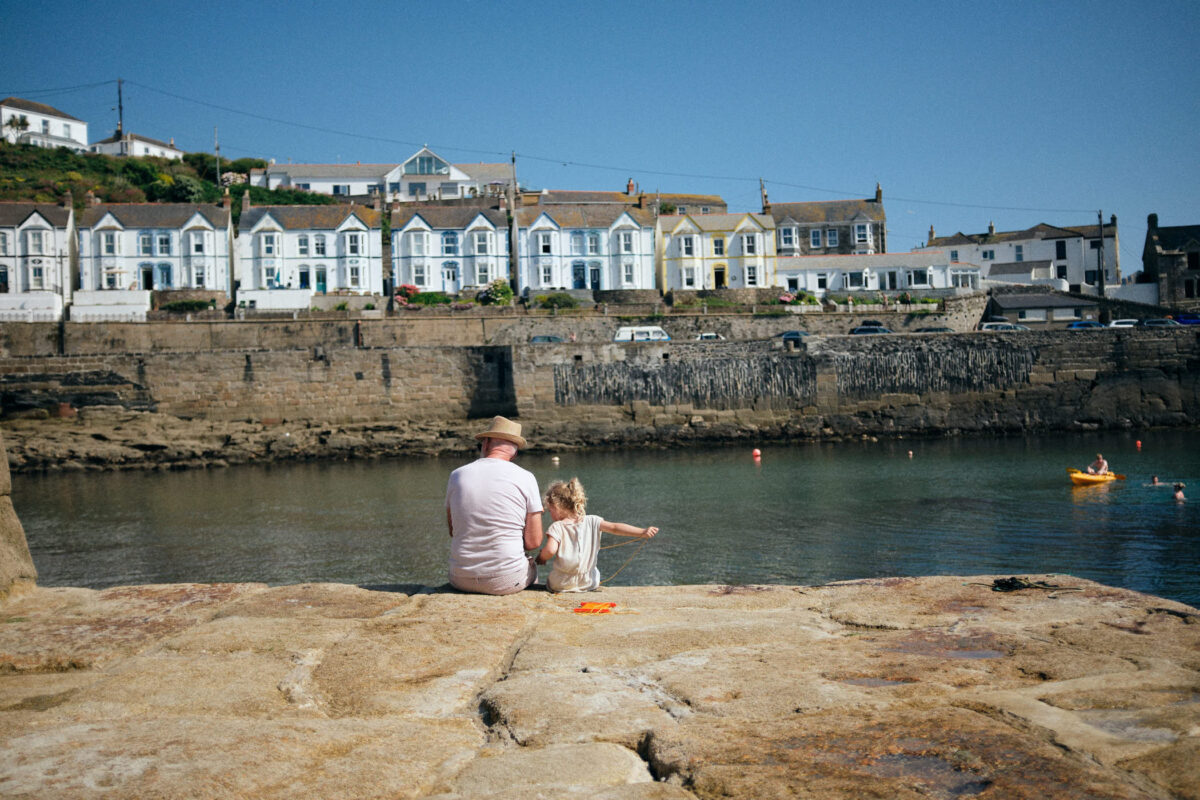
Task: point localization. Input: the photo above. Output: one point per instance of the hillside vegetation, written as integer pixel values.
(41, 175)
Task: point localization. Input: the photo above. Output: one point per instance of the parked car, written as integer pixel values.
(868, 329)
(792, 336)
(935, 329)
(709, 336)
(641, 333)
(1123, 323)
(1188, 318)
(547, 339)
(1084, 325)
(1003, 326)
(1158, 322)
(871, 323)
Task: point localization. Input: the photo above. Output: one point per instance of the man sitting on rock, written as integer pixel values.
(494, 513)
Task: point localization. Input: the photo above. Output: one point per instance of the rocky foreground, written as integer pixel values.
(901, 688)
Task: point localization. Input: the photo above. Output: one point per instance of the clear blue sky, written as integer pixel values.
(965, 112)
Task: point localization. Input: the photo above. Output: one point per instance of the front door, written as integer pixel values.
(147, 278)
(891, 280)
(578, 275)
(322, 281)
(719, 279)
(450, 277)
(594, 277)
(304, 278)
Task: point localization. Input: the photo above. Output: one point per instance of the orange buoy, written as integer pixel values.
(757, 453)
(1139, 444)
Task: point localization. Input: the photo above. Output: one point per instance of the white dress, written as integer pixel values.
(574, 567)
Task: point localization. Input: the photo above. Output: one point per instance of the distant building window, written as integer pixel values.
(627, 276)
(593, 244)
(918, 277)
(37, 277)
(3, 244)
(703, 209)
(718, 245)
(449, 243)
(302, 245)
(481, 274)
(416, 243)
(988, 255)
(353, 244)
(303, 186)
(355, 274)
(1094, 244)
(1060, 249)
(547, 275)
(860, 233)
(416, 189)
(854, 280)
(787, 237)
(197, 243)
(341, 189)
(1193, 260)
(831, 238)
(814, 238)
(198, 276)
(66, 130)
(394, 187)
(164, 244)
(751, 275)
(749, 244)
(954, 255)
(544, 245)
(1089, 276)
(689, 277)
(46, 127)
(418, 274)
(681, 210)
(627, 242)
(481, 246)
(1019, 252)
(448, 189)
(822, 280)
(36, 242)
(319, 244)
(267, 242)
(687, 245)
(576, 244)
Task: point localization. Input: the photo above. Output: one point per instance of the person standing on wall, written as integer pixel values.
(494, 514)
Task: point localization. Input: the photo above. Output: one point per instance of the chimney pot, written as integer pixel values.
(1152, 221)
(991, 228)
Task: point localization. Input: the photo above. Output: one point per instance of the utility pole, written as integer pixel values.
(120, 107)
(513, 238)
(217, 148)
(1100, 250)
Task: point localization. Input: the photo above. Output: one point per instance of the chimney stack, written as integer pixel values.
(991, 228)
(930, 234)
(245, 200)
(226, 200)
(878, 193)
(1152, 221)
(629, 187)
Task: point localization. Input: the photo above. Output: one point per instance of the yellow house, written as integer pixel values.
(715, 251)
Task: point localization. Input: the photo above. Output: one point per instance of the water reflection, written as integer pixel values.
(804, 514)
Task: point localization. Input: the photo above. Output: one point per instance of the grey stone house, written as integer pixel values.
(829, 227)
(1171, 258)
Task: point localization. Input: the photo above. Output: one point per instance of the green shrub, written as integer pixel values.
(497, 293)
(184, 306)
(369, 307)
(557, 300)
(429, 299)
(342, 306)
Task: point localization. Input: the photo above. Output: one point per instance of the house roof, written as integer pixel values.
(600, 215)
(154, 215)
(326, 217)
(13, 214)
(449, 217)
(328, 170)
(876, 261)
(1040, 231)
(827, 211)
(1174, 238)
(1039, 300)
(117, 136)
(1017, 267)
(716, 222)
(642, 200)
(488, 173)
(36, 108)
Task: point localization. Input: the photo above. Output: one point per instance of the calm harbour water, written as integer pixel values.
(807, 514)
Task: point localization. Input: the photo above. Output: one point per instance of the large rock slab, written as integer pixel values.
(932, 687)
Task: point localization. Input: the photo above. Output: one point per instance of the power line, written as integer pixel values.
(60, 90)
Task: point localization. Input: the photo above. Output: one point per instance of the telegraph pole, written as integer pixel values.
(217, 149)
(120, 107)
(1100, 251)
(514, 263)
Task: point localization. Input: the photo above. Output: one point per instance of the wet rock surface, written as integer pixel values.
(902, 688)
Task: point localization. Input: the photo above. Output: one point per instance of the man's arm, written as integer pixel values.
(533, 531)
(548, 551)
(449, 522)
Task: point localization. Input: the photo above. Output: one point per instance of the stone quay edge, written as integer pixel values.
(931, 687)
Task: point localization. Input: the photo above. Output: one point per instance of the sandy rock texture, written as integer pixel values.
(932, 687)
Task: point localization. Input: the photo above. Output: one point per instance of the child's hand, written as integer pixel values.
(649, 532)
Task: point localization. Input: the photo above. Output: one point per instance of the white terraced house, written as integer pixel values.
(37, 242)
(449, 249)
(887, 272)
(27, 122)
(597, 246)
(288, 254)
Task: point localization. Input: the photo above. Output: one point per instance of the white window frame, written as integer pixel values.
(855, 279)
(918, 277)
(752, 275)
(627, 241)
(787, 237)
(593, 244)
(687, 246)
(302, 245)
(197, 243)
(319, 244)
(627, 273)
(418, 243)
(861, 233)
(749, 244)
(419, 274)
(831, 237)
(688, 277)
(718, 246)
(266, 244)
(355, 275)
(547, 275)
(162, 244)
(341, 189)
(449, 243)
(822, 280)
(576, 244)
(814, 238)
(545, 244)
(3, 243)
(354, 244)
(483, 244)
(987, 255)
(35, 243)
(482, 275)
(198, 277)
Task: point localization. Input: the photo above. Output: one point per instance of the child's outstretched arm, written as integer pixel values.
(621, 529)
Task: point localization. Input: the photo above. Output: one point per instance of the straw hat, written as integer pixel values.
(505, 429)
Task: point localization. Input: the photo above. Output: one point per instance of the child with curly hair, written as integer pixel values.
(573, 540)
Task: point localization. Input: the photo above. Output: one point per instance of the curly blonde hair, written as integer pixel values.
(568, 496)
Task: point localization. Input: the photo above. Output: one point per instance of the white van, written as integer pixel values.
(641, 333)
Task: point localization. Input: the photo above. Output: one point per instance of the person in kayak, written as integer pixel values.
(1099, 466)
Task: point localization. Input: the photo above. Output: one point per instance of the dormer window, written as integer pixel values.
(831, 237)
(860, 233)
(814, 238)
(267, 244)
(544, 245)
(687, 245)
(353, 244)
(749, 244)
(787, 238)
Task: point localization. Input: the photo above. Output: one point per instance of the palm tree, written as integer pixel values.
(18, 125)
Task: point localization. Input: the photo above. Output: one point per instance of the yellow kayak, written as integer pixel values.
(1081, 478)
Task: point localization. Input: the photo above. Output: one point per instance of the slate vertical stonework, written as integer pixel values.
(16, 565)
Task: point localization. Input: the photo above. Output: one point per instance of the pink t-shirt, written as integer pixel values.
(489, 500)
